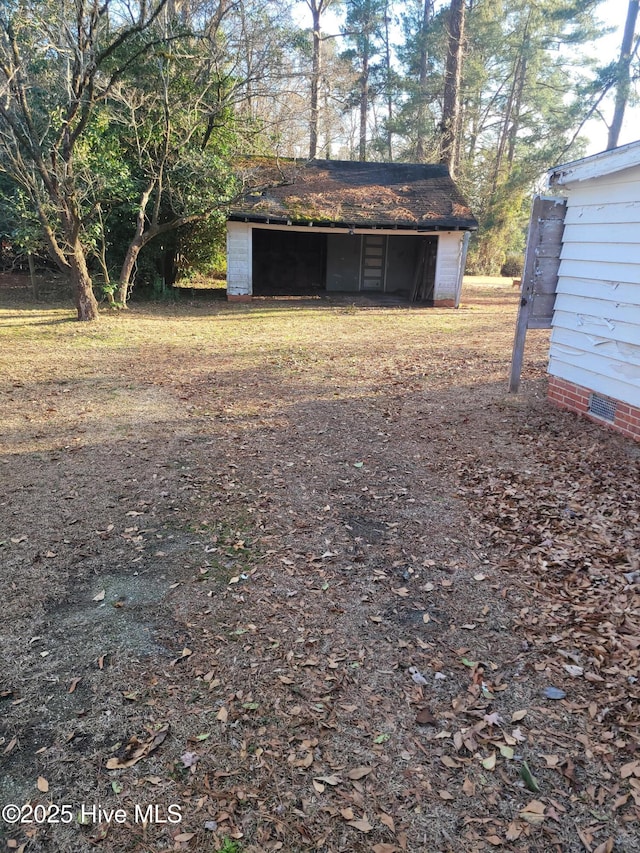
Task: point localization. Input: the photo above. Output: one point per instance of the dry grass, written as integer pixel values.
(287, 505)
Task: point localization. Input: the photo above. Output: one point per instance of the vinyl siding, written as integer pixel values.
(595, 342)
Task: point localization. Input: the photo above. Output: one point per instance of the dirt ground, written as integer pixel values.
(299, 575)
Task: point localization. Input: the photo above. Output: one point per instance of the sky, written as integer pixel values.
(611, 12)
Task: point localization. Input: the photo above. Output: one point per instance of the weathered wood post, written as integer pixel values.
(539, 277)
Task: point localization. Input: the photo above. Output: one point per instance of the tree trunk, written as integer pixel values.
(623, 74)
(452, 79)
(515, 125)
(364, 106)
(507, 121)
(86, 303)
(422, 82)
(141, 239)
(316, 72)
(32, 276)
(127, 270)
(387, 60)
(326, 154)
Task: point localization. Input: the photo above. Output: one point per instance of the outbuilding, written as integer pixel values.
(348, 226)
(594, 361)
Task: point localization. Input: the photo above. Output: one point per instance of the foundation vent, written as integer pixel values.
(603, 408)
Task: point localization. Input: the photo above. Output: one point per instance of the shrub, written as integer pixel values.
(512, 267)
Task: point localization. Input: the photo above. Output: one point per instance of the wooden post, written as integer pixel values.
(540, 276)
(420, 271)
(519, 342)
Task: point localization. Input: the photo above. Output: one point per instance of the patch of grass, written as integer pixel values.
(229, 846)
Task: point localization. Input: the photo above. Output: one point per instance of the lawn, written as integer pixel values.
(300, 575)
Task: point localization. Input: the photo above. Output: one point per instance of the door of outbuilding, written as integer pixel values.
(373, 262)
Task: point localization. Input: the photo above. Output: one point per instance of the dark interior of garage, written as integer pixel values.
(297, 263)
(288, 263)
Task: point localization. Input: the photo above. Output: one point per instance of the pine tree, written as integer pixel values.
(364, 27)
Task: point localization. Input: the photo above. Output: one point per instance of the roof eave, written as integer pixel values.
(441, 224)
(596, 166)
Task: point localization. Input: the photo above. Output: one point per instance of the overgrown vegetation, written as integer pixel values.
(120, 125)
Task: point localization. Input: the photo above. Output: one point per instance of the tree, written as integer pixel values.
(174, 131)
(451, 113)
(388, 78)
(420, 52)
(200, 96)
(317, 8)
(363, 31)
(423, 72)
(518, 110)
(623, 72)
(500, 117)
(119, 121)
(58, 60)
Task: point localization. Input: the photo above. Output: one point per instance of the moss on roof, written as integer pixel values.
(407, 195)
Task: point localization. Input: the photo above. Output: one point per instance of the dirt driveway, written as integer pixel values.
(301, 576)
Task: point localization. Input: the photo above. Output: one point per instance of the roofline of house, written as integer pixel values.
(596, 166)
(368, 165)
(432, 226)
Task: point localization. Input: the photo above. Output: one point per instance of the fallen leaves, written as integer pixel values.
(185, 653)
(328, 780)
(469, 787)
(335, 632)
(359, 772)
(387, 820)
(424, 717)
(533, 813)
(514, 831)
(362, 824)
(489, 763)
(136, 750)
(632, 768)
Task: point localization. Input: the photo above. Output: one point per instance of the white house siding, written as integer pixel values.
(595, 342)
(449, 267)
(239, 259)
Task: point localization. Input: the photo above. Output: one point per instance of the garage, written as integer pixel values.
(348, 227)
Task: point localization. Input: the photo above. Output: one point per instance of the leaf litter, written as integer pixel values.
(319, 736)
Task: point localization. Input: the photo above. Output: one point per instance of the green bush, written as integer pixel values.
(512, 267)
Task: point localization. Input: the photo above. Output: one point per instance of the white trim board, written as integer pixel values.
(357, 229)
(596, 166)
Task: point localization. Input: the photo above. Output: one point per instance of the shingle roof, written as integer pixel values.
(351, 193)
